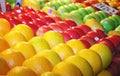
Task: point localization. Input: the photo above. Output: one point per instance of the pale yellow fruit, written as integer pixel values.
(53, 38)
(21, 71)
(82, 64)
(113, 32)
(52, 56)
(38, 64)
(93, 24)
(49, 74)
(104, 73)
(76, 45)
(66, 69)
(39, 44)
(26, 49)
(93, 58)
(63, 50)
(25, 30)
(104, 52)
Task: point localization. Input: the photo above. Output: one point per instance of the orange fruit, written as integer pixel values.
(49, 74)
(82, 64)
(52, 56)
(66, 69)
(38, 64)
(14, 37)
(4, 26)
(104, 52)
(26, 49)
(93, 58)
(4, 68)
(12, 57)
(63, 50)
(76, 45)
(3, 44)
(104, 73)
(39, 44)
(25, 30)
(53, 38)
(21, 71)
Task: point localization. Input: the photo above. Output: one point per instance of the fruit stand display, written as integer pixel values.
(60, 38)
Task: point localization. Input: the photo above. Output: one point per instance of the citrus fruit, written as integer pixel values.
(38, 64)
(21, 71)
(66, 69)
(82, 64)
(52, 56)
(53, 38)
(104, 52)
(93, 58)
(26, 49)
(3, 44)
(4, 26)
(25, 30)
(39, 44)
(49, 74)
(4, 68)
(12, 57)
(76, 45)
(14, 37)
(63, 50)
(104, 73)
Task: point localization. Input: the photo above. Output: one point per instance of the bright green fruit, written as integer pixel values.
(62, 10)
(113, 21)
(76, 12)
(96, 17)
(117, 17)
(118, 28)
(90, 9)
(87, 17)
(83, 12)
(72, 7)
(107, 25)
(100, 15)
(79, 5)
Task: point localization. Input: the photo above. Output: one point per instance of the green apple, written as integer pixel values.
(96, 17)
(90, 9)
(62, 10)
(79, 5)
(83, 12)
(117, 17)
(107, 25)
(114, 21)
(100, 15)
(76, 12)
(87, 17)
(72, 7)
(118, 28)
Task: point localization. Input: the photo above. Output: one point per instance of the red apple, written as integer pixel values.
(41, 30)
(71, 23)
(94, 35)
(40, 13)
(101, 33)
(66, 36)
(47, 20)
(86, 43)
(73, 34)
(56, 18)
(55, 27)
(81, 32)
(28, 9)
(85, 28)
(24, 18)
(109, 44)
(38, 22)
(89, 39)
(18, 10)
(2, 15)
(33, 15)
(63, 25)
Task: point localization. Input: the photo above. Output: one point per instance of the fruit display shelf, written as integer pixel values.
(59, 38)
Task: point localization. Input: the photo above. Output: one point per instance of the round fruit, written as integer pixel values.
(63, 50)
(26, 49)
(49, 74)
(104, 73)
(4, 26)
(53, 38)
(25, 30)
(21, 71)
(82, 64)
(66, 69)
(12, 57)
(76, 45)
(104, 52)
(38, 64)
(93, 58)
(39, 44)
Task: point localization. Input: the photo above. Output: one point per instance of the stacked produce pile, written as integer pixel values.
(59, 39)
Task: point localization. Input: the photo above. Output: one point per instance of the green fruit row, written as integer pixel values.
(110, 23)
(68, 8)
(99, 15)
(56, 4)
